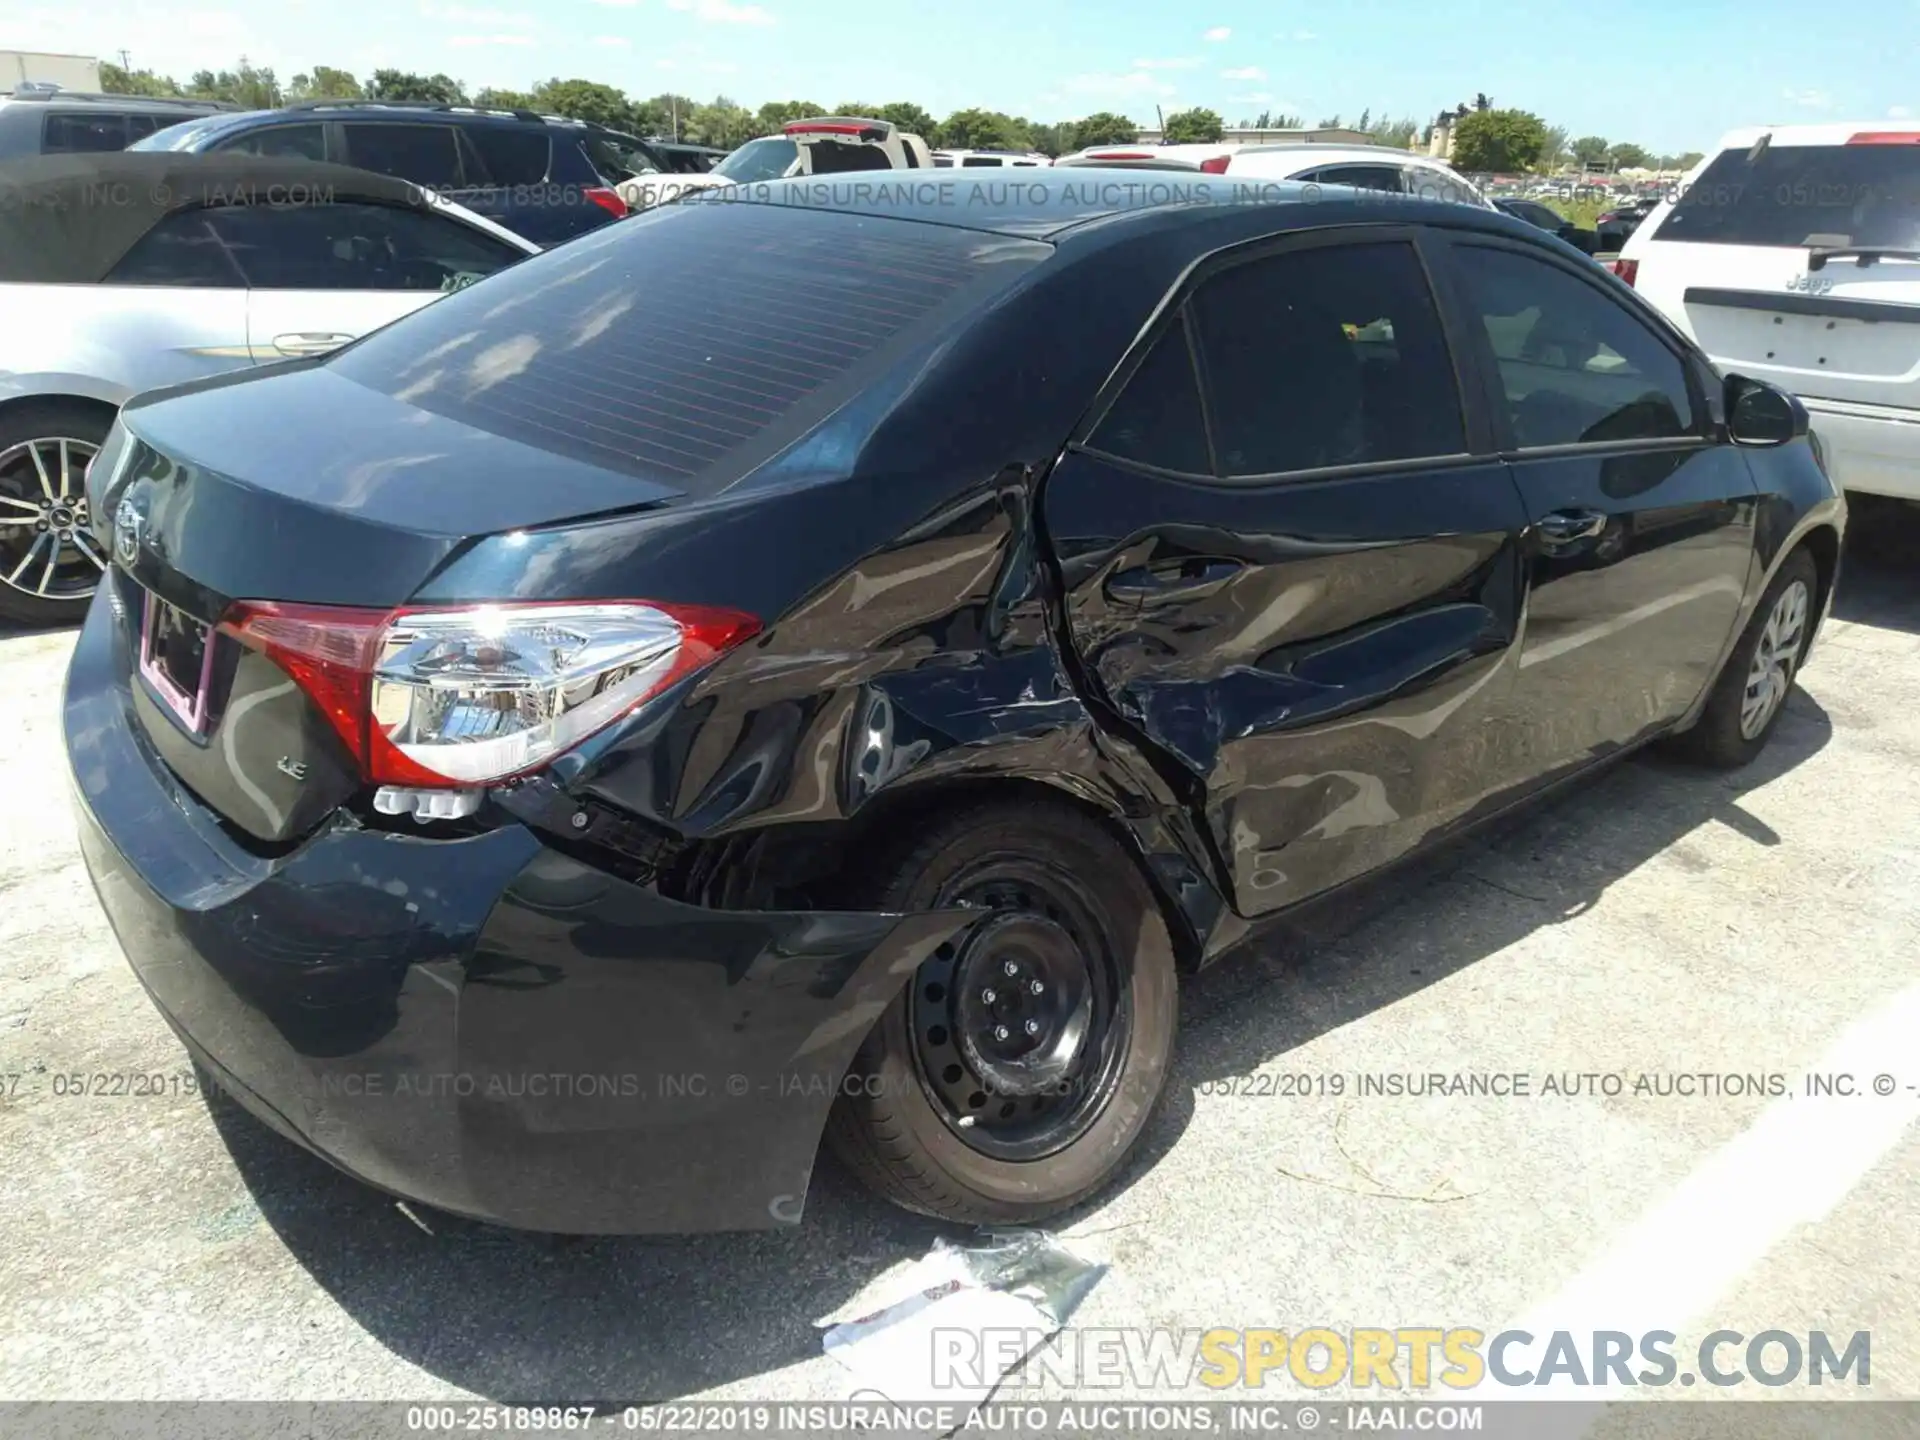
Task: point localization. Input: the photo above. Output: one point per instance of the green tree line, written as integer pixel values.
(1486, 138)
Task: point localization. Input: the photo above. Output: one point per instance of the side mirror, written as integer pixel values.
(1762, 414)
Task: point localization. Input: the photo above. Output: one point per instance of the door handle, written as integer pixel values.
(1187, 579)
(308, 342)
(1564, 527)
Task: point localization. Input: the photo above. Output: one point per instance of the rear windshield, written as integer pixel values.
(691, 342)
(1793, 195)
(757, 160)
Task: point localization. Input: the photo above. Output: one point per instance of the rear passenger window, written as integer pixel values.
(424, 154)
(1576, 366)
(512, 154)
(1326, 356)
(1365, 177)
(298, 142)
(356, 247)
(181, 250)
(67, 134)
(141, 126)
(1157, 420)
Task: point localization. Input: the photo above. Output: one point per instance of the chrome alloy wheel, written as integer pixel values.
(46, 550)
(1770, 675)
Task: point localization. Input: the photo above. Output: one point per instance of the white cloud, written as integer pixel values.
(1808, 99)
(1899, 112)
(1218, 33)
(612, 42)
(470, 42)
(722, 12)
(1245, 72)
(480, 18)
(1178, 63)
(1134, 82)
(619, 4)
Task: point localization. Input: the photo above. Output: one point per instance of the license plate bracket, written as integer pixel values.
(176, 661)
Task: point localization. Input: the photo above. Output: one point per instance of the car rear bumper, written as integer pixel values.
(484, 1025)
(1869, 449)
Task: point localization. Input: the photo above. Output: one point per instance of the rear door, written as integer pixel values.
(1736, 262)
(1292, 564)
(175, 306)
(1640, 543)
(321, 275)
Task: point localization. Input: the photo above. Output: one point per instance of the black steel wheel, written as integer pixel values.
(1012, 1076)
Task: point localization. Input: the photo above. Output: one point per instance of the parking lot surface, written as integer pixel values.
(1654, 922)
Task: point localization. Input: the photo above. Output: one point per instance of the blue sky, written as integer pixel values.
(1671, 76)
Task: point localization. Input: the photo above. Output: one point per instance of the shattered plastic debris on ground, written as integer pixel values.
(1003, 1282)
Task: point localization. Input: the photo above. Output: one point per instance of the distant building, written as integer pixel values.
(1247, 135)
(33, 67)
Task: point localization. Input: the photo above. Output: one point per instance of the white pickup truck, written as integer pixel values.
(825, 145)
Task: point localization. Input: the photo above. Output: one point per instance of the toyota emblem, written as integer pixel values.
(127, 524)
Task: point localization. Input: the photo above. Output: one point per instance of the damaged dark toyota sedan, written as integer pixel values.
(769, 672)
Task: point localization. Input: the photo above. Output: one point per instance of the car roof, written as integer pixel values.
(74, 216)
(307, 111)
(1113, 201)
(84, 102)
(1832, 132)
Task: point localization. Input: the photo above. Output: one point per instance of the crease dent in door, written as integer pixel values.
(1337, 700)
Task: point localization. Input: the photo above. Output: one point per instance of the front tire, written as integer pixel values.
(49, 563)
(1015, 1072)
(1752, 690)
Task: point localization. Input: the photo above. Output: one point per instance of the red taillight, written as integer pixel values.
(1217, 165)
(1885, 137)
(1627, 270)
(608, 200)
(829, 127)
(336, 654)
(1120, 155)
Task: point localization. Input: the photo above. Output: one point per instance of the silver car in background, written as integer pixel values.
(126, 272)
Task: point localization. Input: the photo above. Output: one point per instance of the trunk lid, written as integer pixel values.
(331, 494)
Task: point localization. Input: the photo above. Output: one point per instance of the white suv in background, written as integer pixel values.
(1310, 162)
(824, 145)
(1793, 255)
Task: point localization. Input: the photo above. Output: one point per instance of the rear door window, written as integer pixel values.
(182, 250)
(70, 132)
(1575, 365)
(1157, 420)
(298, 142)
(676, 343)
(1365, 177)
(356, 247)
(1327, 356)
(424, 154)
(1803, 195)
(513, 154)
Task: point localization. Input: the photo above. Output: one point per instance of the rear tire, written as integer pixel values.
(939, 1115)
(1748, 698)
(40, 517)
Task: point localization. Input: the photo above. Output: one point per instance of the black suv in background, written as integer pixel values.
(531, 173)
(63, 122)
(619, 156)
